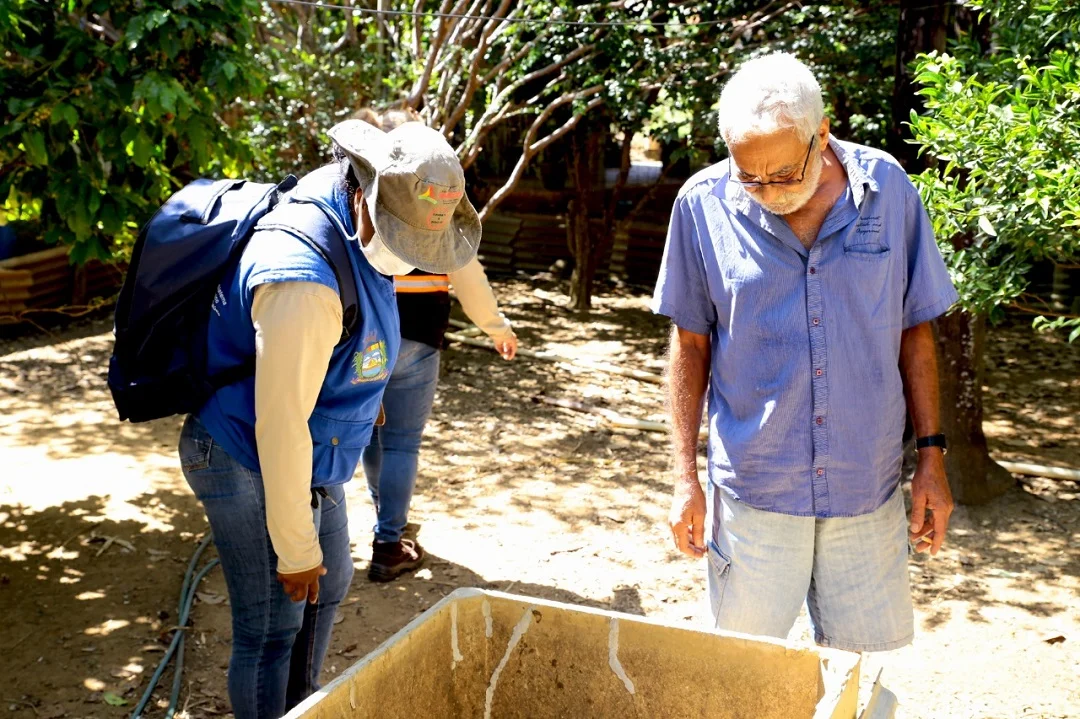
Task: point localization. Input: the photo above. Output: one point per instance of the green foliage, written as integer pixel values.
(1005, 130)
(109, 106)
(850, 46)
(321, 65)
(113, 105)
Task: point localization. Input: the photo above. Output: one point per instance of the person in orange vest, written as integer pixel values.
(390, 460)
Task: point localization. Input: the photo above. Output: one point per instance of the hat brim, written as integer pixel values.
(438, 252)
(366, 145)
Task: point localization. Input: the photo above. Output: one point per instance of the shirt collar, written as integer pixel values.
(858, 179)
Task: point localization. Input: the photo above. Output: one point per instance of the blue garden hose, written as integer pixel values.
(176, 647)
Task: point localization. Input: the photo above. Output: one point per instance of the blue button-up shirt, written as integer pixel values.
(806, 402)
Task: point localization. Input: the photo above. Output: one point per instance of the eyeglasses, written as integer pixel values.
(756, 183)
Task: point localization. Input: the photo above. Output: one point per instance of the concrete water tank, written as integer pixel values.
(497, 656)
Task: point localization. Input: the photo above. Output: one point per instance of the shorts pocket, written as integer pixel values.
(719, 568)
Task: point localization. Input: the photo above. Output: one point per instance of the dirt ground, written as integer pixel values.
(97, 523)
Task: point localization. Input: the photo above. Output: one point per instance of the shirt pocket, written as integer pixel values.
(866, 249)
(869, 274)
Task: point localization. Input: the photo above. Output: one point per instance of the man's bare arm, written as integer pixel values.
(930, 487)
(688, 377)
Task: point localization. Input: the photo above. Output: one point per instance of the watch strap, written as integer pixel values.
(934, 440)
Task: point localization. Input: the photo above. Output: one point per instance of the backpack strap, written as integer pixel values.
(309, 223)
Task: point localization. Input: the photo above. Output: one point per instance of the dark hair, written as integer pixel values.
(348, 180)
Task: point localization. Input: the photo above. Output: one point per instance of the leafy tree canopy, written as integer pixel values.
(110, 106)
(1004, 125)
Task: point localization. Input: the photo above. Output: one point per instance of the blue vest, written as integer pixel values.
(359, 366)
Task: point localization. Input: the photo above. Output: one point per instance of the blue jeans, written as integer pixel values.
(390, 460)
(278, 645)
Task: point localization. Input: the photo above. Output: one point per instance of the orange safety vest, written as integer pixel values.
(418, 284)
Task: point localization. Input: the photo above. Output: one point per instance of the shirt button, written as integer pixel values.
(334, 441)
(818, 372)
(820, 472)
(816, 321)
(813, 270)
(820, 420)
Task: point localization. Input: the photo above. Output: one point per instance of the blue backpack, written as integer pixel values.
(158, 366)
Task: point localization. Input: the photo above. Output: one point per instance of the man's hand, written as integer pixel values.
(303, 584)
(687, 518)
(507, 347)
(931, 502)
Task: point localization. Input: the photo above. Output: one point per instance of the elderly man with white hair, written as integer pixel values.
(801, 276)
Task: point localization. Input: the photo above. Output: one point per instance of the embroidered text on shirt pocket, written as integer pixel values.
(865, 242)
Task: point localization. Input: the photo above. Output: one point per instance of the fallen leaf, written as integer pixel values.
(1054, 638)
(113, 700)
(209, 597)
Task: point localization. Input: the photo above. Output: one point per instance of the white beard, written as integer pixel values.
(791, 202)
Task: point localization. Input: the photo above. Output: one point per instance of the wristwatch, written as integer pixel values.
(934, 440)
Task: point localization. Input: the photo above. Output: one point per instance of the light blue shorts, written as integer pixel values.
(852, 573)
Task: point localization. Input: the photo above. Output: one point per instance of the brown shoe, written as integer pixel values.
(389, 560)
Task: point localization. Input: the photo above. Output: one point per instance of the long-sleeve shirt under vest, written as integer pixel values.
(297, 325)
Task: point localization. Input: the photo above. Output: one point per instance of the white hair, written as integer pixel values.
(770, 93)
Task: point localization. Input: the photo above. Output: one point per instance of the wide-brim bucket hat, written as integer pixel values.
(415, 191)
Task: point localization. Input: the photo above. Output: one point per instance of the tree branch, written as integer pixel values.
(504, 94)
(757, 19)
(566, 127)
(1023, 300)
(349, 37)
(530, 147)
(465, 29)
(472, 83)
(100, 25)
(442, 30)
(1042, 312)
(418, 7)
(508, 111)
(647, 197)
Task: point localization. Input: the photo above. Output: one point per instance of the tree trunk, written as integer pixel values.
(924, 27)
(585, 247)
(973, 476)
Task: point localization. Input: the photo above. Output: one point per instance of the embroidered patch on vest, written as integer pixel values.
(370, 365)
